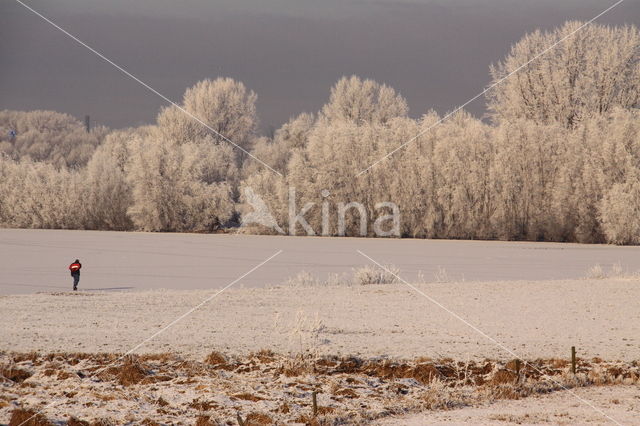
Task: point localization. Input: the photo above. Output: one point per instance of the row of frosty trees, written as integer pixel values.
(558, 159)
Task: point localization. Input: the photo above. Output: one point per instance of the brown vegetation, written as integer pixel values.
(76, 422)
(258, 419)
(14, 374)
(216, 359)
(345, 386)
(28, 417)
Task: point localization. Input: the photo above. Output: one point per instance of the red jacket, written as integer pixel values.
(75, 267)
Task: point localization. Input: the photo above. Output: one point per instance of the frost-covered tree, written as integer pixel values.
(620, 211)
(323, 173)
(363, 101)
(223, 104)
(277, 152)
(527, 163)
(39, 195)
(591, 72)
(463, 159)
(47, 136)
(180, 187)
(272, 189)
(108, 194)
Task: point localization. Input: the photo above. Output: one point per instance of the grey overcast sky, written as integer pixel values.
(290, 52)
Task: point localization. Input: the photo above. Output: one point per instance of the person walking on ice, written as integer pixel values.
(75, 273)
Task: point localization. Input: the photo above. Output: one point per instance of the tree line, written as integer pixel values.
(557, 158)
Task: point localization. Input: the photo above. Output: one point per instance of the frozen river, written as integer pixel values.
(37, 260)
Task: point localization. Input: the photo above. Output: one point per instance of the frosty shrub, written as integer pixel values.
(307, 279)
(369, 274)
(303, 279)
(620, 212)
(441, 275)
(616, 270)
(596, 273)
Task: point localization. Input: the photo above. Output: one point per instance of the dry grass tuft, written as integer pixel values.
(162, 357)
(284, 408)
(346, 392)
(204, 421)
(307, 420)
(559, 363)
(76, 422)
(596, 273)
(423, 373)
(216, 359)
(14, 374)
(247, 397)
(375, 275)
(504, 392)
(28, 417)
(64, 375)
(303, 279)
(102, 422)
(504, 377)
(297, 366)
(265, 356)
(201, 405)
(28, 356)
(131, 372)
(258, 419)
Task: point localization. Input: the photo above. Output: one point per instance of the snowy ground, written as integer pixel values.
(620, 403)
(36, 260)
(134, 284)
(534, 319)
(266, 388)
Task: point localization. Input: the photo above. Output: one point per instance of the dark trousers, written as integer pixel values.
(76, 280)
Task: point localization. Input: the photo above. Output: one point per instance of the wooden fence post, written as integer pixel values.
(573, 359)
(314, 397)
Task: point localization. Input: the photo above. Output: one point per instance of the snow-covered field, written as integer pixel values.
(534, 319)
(36, 260)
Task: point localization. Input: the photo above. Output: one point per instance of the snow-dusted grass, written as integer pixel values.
(373, 274)
(616, 271)
(265, 387)
(364, 275)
